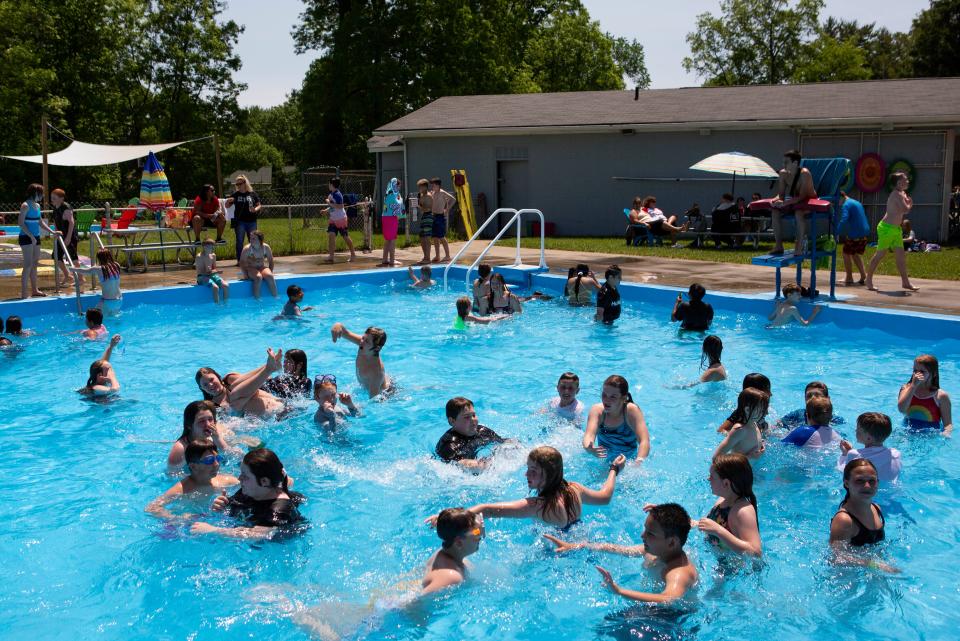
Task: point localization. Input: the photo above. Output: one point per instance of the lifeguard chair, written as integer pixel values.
(828, 176)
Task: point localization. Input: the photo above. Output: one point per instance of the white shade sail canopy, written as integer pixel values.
(84, 154)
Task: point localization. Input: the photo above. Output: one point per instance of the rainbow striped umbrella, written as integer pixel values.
(154, 186)
(736, 163)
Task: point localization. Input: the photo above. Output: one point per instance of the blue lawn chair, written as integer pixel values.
(641, 233)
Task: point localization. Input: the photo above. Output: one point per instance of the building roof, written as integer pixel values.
(882, 102)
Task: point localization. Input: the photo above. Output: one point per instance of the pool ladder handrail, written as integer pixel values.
(62, 249)
(518, 261)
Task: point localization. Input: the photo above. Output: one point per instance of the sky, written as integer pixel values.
(271, 69)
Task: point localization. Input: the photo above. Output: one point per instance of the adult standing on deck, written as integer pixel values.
(30, 223)
(64, 222)
(443, 202)
(247, 205)
(795, 184)
(207, 214)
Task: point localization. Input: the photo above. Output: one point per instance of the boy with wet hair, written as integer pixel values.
(817, 432)
(873, 428)
(798, 417)
(466, 437)
(292, 309)
(461, 531)
(95, 328)
(425, 280)
(786, 310)
(370, 371)
(664, 535)
(566, 404)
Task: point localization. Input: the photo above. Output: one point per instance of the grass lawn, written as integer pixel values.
(944, 265)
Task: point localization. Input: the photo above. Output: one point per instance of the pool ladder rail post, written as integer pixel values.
(518, 261)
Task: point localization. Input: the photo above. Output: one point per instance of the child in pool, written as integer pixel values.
(294, 380)
(616, 425)
(608, 296)
(108, 270)
(817, 432)
(326, 395)
(664, 535)
(501, 300)
(425, 279)
(466, 436)
(15, 327)
(786, 310)
(758, 381)
(798, 417)
(95, 328)
(732, 521)
(710, 354)
(858, 521)
(204, 461)
(923, 403)
(745, 438)
(558, 501)
(370, 371)
(873, 428)
(292, 309)
(103, 378)
(465, 316)
(481, 289)
(207, 273)
(566, 404)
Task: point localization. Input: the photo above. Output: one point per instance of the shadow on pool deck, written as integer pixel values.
(935, 296)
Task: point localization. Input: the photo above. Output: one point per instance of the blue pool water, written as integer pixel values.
(82, 559)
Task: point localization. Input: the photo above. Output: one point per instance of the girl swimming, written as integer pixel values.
(710, 357)
(923, 403)
(500, 300)
(616, 425)
(558, 501)
(241, 393)
(732, 521)
(294, 380)
(858, 521)
(745, 438)
(103, 378)
(199, 423)
(264, 503)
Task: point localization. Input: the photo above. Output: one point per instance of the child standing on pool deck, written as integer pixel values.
(817, 432)
(370, 371)
(616, 424)
(786, 310)
(745, 438)
(664, 535)
(207, 272)
(889, 233)
(873, 428)
(923, 403)
(339, 222)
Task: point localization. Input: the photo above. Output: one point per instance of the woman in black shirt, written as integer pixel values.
(263, 502)
(246, 205)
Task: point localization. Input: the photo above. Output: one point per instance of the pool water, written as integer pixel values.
(83, 560)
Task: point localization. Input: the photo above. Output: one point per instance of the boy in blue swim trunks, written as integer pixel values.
(207, 272)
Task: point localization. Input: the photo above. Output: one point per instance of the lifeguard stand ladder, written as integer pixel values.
(828, 175)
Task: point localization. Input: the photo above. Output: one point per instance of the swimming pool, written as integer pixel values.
(83, 560)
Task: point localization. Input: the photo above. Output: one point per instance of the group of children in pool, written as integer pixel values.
(615, 430)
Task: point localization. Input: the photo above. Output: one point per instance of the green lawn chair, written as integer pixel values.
(83, 219)
(183, 203)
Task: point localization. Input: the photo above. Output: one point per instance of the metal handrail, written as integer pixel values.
(518, 261)
(62, 247)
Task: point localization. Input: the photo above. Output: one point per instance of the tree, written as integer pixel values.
(886, 54)
(380, 60)
(752, 42)
(935, 49)
(629, 56)
(828, 59)
(250, 152)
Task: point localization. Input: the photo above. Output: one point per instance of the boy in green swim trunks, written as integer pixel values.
(889, 234)
(207, 272)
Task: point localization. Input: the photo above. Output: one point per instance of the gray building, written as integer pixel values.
(581, 157)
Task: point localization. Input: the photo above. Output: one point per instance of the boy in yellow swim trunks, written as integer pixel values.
(889, 234)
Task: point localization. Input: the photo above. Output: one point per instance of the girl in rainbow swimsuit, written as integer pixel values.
(923, 403)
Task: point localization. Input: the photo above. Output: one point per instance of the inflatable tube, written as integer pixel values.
(870, 173)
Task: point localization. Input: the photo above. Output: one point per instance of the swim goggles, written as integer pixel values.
(326, 378)
(210, 459)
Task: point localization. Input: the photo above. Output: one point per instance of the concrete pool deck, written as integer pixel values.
(935, 296)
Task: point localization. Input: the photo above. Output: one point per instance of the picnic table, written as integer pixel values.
(142, 240)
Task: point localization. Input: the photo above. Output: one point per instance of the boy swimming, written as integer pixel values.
(370, 371)
(786, 310)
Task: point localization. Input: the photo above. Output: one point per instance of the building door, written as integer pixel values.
(513, 184)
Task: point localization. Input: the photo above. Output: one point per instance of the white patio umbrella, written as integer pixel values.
(736, 162)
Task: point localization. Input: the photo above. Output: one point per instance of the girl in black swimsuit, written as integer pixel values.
(732, 521)
(858, 521)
